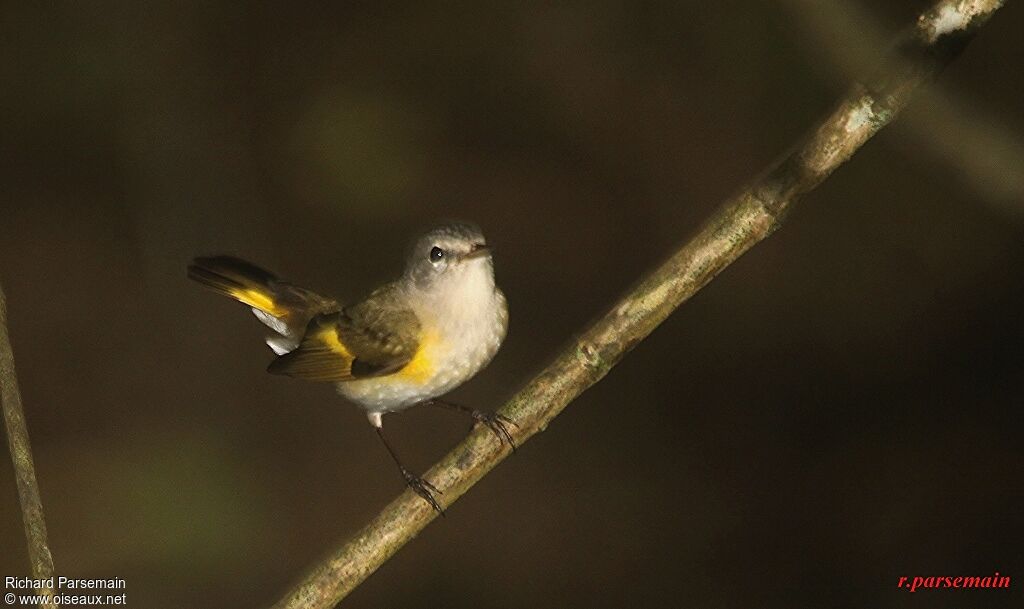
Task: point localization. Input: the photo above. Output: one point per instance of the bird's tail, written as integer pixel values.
(238, 279)
(284, 308)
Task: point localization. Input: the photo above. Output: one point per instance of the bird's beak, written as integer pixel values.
(478, 250)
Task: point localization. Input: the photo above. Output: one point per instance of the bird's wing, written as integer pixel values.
(373, 338)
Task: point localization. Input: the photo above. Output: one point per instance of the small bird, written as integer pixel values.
(409, 342)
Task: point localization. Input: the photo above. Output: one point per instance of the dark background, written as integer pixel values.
(840, 408)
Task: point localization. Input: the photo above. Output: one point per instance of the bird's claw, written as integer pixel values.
(497, 424)
(424, 489)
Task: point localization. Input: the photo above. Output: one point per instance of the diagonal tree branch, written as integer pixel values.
(935, 39)
(21, 456)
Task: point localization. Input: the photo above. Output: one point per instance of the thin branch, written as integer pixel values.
(984, 153)
(21, 455)
(937, 37)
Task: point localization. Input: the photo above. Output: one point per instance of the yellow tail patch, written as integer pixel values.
(256, 298)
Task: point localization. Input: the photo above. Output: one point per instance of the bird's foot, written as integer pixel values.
(497, 424)
(423, 488)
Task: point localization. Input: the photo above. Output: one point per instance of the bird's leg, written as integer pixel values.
(420, 486)
(494, 421)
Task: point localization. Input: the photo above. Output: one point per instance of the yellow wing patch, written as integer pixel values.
(320, 357)
(330, 338)
(338, 348)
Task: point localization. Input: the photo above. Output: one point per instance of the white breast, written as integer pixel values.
(463, 323)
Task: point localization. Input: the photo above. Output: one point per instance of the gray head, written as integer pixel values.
(452, 253)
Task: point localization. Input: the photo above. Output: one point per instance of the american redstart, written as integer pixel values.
(407, 343)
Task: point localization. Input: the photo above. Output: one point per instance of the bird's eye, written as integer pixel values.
(436, 254)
